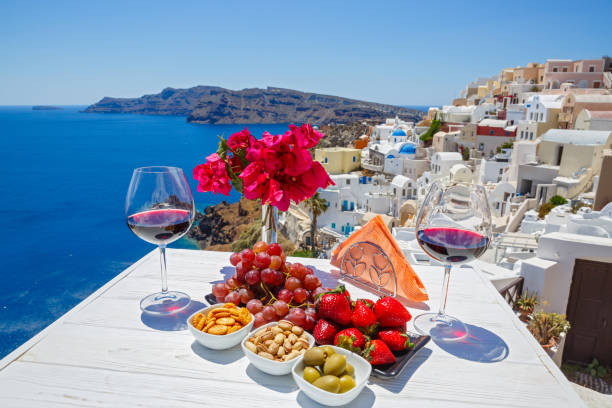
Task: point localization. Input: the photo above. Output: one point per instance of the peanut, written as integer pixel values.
(283, 342)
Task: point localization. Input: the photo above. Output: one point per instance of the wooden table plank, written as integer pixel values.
(105, 353)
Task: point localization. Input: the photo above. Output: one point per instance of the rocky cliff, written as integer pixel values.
(215, 105)
(231, 227)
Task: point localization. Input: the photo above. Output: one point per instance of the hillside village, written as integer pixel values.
(539, 137)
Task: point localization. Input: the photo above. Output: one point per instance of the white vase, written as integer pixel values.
(269, 223)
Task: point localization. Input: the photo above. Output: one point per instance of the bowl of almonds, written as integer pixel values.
(220, 326)
(274, 347)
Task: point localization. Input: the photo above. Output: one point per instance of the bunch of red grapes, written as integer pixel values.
(271, 288)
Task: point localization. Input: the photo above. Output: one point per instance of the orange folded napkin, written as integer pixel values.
(409, 285)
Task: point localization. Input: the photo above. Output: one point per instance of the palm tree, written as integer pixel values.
(317, 206)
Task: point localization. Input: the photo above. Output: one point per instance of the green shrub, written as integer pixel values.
(305, 253)
(545, 209)
(557, 200)
(466, 154)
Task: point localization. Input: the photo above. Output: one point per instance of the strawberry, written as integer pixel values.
(324, 332)
(378, 353)
(335, 306)
(368, 302)
(390, 312)
(401, 329)
(351, 339)
(364, 318)
(397, 341)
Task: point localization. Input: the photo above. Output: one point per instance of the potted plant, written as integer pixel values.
(548, 327)
(525, 305)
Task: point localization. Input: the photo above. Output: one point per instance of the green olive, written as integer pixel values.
(346, 383)
(328, 350)
(311, 374)
(349, 370)
(335, 364)
(314, 356)
(329, 383)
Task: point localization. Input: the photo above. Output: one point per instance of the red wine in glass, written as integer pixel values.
(160, 226)
(453, 226)
(159, 209)
(452, 245)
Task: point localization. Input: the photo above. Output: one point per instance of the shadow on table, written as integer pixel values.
(397, 384)
(278, 383)
(480, 345)
(227, 272)
(217, 356)
(328, 279)
(365, 399)
(173, 322)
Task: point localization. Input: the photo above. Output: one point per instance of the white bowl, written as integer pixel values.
(270, 366)
(363, 369)
(214, 341)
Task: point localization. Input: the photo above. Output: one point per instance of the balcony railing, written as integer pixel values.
(513, 291)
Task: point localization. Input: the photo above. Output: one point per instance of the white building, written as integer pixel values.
(351, 197)
(593, 120)
(492, 171)
(551, 272)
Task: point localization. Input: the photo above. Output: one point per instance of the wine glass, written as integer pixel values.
(453, 227)
(159, 209)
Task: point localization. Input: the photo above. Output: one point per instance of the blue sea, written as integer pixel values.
(63, 184)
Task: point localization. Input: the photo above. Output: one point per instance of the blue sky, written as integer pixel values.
(60, 52)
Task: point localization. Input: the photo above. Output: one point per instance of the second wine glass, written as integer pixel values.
(453, 227)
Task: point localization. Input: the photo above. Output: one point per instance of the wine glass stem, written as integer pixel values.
(164, 274)
(447, 269)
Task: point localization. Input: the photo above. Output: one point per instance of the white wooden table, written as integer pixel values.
(105, 353)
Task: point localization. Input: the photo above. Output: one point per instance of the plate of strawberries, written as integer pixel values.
(376, 330)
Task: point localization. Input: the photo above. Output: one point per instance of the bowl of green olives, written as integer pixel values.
(331, 375)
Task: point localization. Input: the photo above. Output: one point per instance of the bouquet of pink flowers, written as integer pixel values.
(277, 169)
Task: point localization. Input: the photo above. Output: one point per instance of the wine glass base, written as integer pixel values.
(165, 303)
(440, 327)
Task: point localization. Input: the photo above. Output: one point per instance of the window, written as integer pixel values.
(531, 116)
(541, 116)
(564, 69)
(394, 190)
(326, 160)
(481, 147)
(537, 106)
(596, 84)
(591, 68)
(354, 159)
(348, 181)
(522, 134)
(531, 136)
(507, 133)
(555, 69)
(491, 132)
(403, 191)
(333, 225)
(501, 171)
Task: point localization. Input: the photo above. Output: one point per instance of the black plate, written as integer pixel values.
(402, 358)
(382, 371)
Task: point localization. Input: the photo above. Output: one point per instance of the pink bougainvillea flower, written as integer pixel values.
(240, 140)
(296, 161)
(272, 141)
(275, 196)
(254, 179)
(305, 135)
(212, 176)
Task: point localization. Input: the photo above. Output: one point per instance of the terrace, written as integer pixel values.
(104, 352)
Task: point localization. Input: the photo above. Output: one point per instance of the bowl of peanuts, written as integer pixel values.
(220, 326)
(275, 347)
